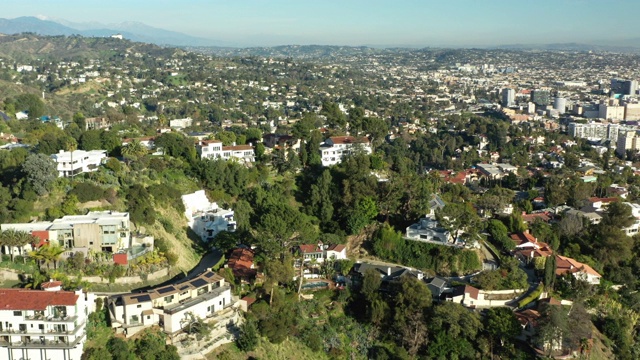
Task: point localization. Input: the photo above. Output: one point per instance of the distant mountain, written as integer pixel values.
(612, 46)
(134, 31)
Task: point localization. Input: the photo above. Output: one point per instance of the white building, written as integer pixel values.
(72, 163)
(635, 227)
(181, 123)
(627, 140)
(213, 149)
(205, 218)
(43, 324)
(336, 147)
(322, 252)
(173, 307)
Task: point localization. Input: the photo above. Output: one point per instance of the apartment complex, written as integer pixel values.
(213, 149)
(43, 324)
(205, 218)
(627, 140)
(72, 163)
(172, 307)
(97, 231)
(336, 147)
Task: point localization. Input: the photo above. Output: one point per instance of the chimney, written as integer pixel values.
(234, 143)
(388, 271)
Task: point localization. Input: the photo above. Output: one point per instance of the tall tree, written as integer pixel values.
(40, 171)
(412, 302)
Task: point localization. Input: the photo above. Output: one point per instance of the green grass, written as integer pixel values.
(290, 349)
(29, 267)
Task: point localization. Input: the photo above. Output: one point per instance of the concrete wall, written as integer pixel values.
(129, 279)
(6, 274)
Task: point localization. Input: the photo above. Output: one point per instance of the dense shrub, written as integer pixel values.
(86, 191)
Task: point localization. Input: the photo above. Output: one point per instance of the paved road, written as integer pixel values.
(208, 260)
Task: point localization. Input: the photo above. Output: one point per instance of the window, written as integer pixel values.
(148, 317)
(139, 306)
(17, 313)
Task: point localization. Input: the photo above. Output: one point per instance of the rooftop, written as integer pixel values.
(23, 299)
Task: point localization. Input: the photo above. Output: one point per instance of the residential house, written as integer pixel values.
(205, 218)
(438, 286)
(471, 297)
(274, 141)
(241, 263)
(321, 252)
(335, 148)
(172, 307)
(181, 123)
(72, 163)
(147, 141)
(388, 274)
(43, 324)
(97, 231)
(528, 247)
(635, 227)
(213, 149)
(96, 123)
(566, 265)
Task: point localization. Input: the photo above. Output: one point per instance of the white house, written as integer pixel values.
(322, 252)
(172, 307)
(205, 218)
(635, 212)
(43, 324)
(580, 271)
(336, 147)
(181, 123)
(213, 149)
(428, 229)
(72, 163)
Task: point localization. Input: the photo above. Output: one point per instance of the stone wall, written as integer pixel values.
(128, 279)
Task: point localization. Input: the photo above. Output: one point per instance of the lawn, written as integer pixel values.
(290, 349)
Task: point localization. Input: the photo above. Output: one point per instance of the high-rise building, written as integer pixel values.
(627, 140)
(560, 105)
(541, 97)
(624, 87)
(508, 97)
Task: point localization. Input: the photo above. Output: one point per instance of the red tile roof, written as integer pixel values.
(120, 259)
(50, 284)
(545, 216)
(241, 263)
(604, 200)
(309, 248)
(22, 299)
(523, 237)
(565, 265)
(237, 147)
(349, 140)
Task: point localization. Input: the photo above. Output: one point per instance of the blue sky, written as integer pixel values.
(359, 22)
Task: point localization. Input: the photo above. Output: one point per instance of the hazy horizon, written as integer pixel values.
(410, 23)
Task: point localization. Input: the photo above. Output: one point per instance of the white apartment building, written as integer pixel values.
(205, 218)
(43, 324)
(213, 149)
(72, 163)
(172, 307)
(336, 147)
(605, 131)
(611, 111)
(107, 231)
(627, 140)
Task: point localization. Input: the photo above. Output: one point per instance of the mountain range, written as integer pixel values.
(134, 31)
(137, 31)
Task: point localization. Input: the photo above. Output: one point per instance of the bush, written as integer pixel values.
(532, 297)
(86, 191)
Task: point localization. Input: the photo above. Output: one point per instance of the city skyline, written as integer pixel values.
(374, 23)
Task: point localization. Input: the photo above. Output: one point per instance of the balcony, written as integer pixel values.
(51, 318)
(38, 343)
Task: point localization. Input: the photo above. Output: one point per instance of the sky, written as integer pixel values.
(359, 22)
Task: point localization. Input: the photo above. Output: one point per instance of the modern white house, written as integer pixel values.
(336, 147)
(428, 229)
(43, 324)
(174, 307)
(98, 231)
(213, 149)
(72, 163)
(205, 218)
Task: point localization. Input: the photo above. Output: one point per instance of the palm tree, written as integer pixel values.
(35, 280)
(134, 150)
(23, 238)
(38, 255)
(47, 254)
(8, 238)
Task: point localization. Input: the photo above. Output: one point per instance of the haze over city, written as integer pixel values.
(459, 23)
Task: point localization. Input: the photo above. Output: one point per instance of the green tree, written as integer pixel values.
(91, 140)
(248, 338)
(460, 220)
(502, 326)
(31, 103)
(365, 211)
(412, 302)
(550, 272)
(40, 172)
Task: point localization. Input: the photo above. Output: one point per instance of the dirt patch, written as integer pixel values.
(94, 204)
(356, 247)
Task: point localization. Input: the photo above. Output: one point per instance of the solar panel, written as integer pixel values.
(198, 282)
(142, 298)
(209, 275)
(166, 290)
(184, 287)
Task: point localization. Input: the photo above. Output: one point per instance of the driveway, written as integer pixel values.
(208, 260)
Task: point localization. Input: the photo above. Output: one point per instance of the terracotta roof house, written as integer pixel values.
(528, 246)
(567, 265)
(241, 263)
